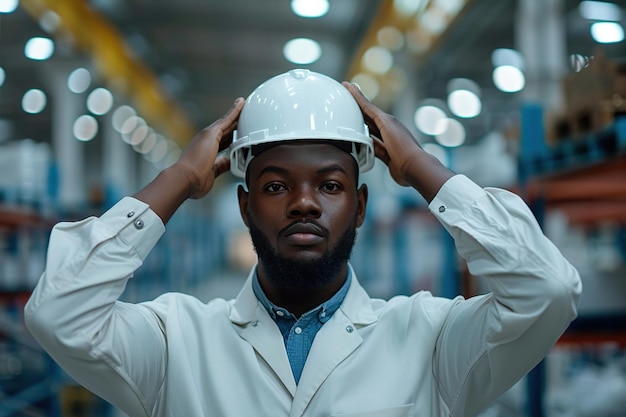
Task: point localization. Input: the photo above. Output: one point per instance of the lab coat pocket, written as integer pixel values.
(403, 411)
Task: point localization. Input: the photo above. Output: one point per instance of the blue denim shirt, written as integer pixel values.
(298, 334)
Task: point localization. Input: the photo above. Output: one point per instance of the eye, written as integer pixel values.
(331, 186)
(274, 187)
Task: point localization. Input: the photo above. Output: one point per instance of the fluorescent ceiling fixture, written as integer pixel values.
(507, 56)
(3, 76)
(129, 125)
(438, 152)
(378, 60)
(409, 7)
(34, 101)
(159, 151)
(464, 103)
(508, 79)
(369, 85)
(600, 10)
(85, 128)
(138, 135)
(120, 115)
(430, 119)
(310, 8)
(434, 20)
(607, 32)
(302, 51)
(452, 7)
(100, 101)
(49, 21)
(8, 6)
(79, 80)
(453, 135)
(390, 37)
(39, 48)
(147, 144)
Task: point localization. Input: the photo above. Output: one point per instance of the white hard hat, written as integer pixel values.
(300, 105)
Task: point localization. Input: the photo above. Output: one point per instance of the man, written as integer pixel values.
(303, 338)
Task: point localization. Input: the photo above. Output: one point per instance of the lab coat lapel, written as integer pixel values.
(335, 341)
(258, 329)
(265, 338)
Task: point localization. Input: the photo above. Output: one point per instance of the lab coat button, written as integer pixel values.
(442, 209)
(130, 214)
(349, 329)
(138, 224)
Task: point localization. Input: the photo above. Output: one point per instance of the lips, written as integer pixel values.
(304, 234)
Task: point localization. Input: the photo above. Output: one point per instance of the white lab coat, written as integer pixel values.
(409, 356)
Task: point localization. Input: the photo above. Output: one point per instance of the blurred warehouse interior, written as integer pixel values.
(97, 96)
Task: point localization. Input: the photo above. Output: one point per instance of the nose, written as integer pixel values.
(304, 203)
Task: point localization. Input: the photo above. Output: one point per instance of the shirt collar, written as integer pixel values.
(324, 310)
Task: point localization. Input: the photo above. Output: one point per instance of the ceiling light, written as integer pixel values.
(8, 6)
(430, 119)
(85, 128)
(508, 79)
(159, 151)
(378, 60)
(100, 101)
(390, 37)
(453, 135)
(409, 7)
(368, 85)
(434, 20)
(452, 7)
(39, 49)
(302, 51)
(79, 80)
(120, 115)
(607, 32)
(464, 103)
(147, 144)
(49, 21)
(507, 56)
(310, 8)
(34, 101)
(600, 10)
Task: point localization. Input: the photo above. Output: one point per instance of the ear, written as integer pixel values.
(242, 196)
(362, 194)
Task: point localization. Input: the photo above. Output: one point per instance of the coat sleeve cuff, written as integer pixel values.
(136, 223)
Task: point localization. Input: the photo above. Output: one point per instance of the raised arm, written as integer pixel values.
(118, 350)
(487, 342)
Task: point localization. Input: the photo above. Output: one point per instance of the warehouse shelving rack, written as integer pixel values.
(584, 177)
(29, 379)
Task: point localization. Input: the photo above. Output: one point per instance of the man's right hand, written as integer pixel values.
(200, 162)
(194, 174)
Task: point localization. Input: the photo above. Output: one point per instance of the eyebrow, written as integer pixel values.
(278, 170)
(272, 169)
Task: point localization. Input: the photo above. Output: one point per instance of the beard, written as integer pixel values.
(295, 274)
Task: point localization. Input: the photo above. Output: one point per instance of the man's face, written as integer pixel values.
(302, 209)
